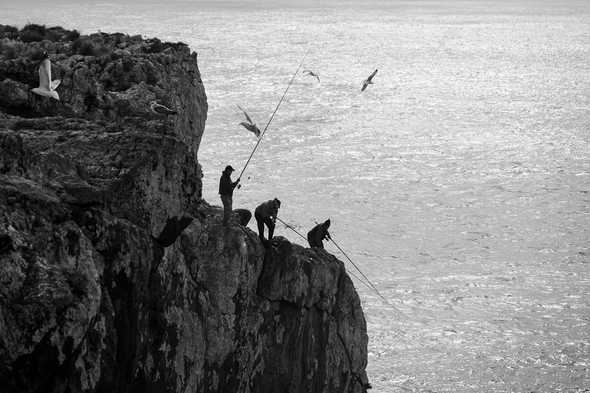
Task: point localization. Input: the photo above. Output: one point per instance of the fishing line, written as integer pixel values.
(359, 270)
(273, 114)
(367, 278)
(304, 238)
(399, 332)
(349, 272)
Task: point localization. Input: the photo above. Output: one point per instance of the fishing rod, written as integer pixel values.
(273, 115)
(304, 238)
(361, 272)
(399, 332)
(293, 229)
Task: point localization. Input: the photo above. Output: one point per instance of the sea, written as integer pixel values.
(458, 183)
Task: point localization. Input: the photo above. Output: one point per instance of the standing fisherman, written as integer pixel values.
(226, 190)
(266, 213)
(318, 233)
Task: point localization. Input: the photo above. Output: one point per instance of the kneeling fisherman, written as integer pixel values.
(318, 233)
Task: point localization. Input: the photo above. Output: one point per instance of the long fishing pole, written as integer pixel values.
(304, 238)
(400, 312)
(292, 228)
(398, 331)
(273, 115)
(360, 271)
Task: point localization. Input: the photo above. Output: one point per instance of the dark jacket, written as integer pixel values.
(226, 186)
(319, 232)
(268, 209)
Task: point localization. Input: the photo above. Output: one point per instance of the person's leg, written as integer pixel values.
(227, 208)
(260, 224)
(271, 228)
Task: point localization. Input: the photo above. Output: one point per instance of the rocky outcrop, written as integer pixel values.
(115, 276)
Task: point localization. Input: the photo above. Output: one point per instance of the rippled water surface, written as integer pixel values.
(459, 182)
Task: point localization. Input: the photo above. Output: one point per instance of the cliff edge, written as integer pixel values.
(115, 275)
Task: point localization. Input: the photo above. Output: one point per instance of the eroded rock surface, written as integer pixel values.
(115, 276)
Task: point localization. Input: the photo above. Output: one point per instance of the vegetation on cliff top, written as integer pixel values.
(15, 43)
(103, 76)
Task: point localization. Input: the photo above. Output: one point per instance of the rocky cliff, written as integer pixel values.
(115, 276)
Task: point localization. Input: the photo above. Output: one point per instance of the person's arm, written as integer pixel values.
(234, 184)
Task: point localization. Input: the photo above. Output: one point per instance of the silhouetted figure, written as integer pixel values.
(266, 213)
(226, 190)
(317, 234)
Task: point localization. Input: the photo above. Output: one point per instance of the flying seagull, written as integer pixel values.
(160, 109)
(368, 81)
(249, 124)
(311, 73)
(46, 85)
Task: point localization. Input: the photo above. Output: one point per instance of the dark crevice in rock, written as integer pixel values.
(34, 372)
(6, 244)
(173, 228)
(355, 376)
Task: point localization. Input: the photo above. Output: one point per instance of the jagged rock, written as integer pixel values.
(115, 276)
(310, 288)
(244, 216)
(13, 94)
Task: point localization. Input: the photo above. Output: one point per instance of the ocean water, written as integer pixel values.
(459, 182)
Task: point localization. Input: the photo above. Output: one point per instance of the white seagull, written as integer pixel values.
(311, 73)
(249, 125)
(368, 81)
(160, 109)
(46, 85)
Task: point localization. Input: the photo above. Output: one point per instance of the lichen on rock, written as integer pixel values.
(115, 275)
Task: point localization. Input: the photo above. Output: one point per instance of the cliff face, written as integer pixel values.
(115, 276)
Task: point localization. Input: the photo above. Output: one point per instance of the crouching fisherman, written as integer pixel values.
(226, 191)
(317, 234)
(266, 214)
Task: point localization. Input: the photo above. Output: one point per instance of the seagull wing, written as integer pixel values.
(365, 84)
(370, 78)
(256, 131)
(55, 84)
(161, 109)
(158, 108)
(251, 127)
(45, 75)
(245, 114)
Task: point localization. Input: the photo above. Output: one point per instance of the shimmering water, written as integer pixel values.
(459, 182)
